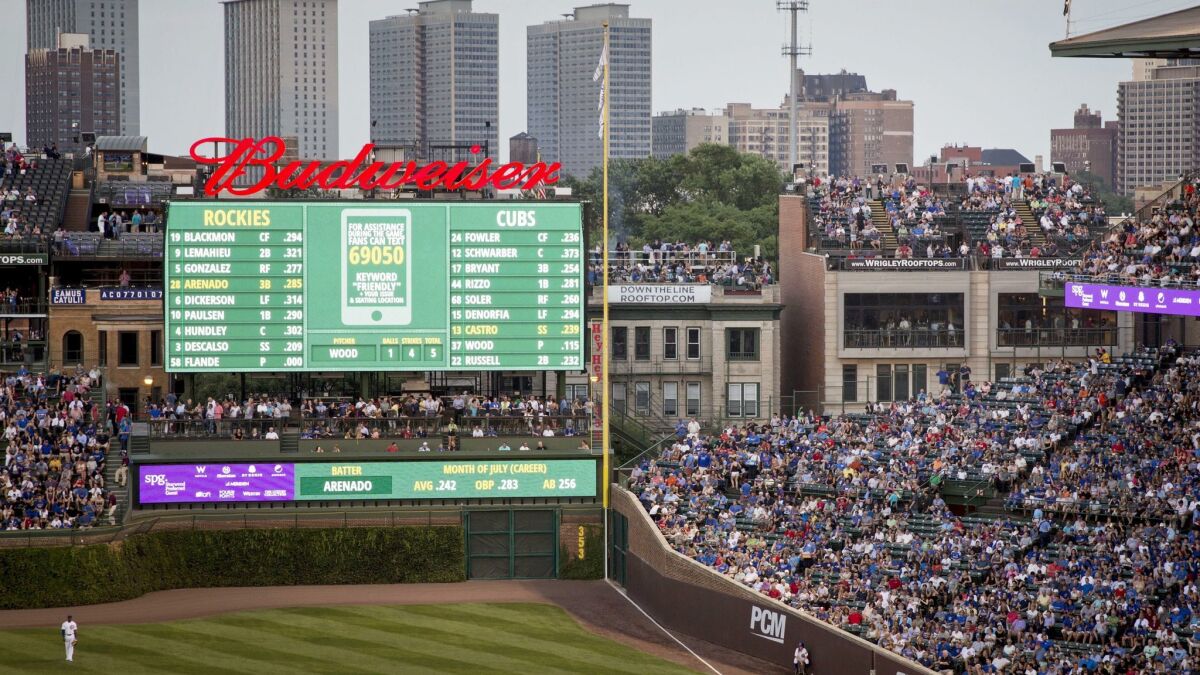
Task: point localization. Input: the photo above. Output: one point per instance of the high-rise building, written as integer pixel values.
(434, 80)
(869, 128)
(765, 132)
(1157, 134)
(281, 72)
(109, 25)
(562, 95)
(1091, 145)
(678, 131)
(70, 91)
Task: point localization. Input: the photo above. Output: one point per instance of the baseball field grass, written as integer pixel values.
(460, 638)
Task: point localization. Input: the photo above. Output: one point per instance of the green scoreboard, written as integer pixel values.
(269, 286)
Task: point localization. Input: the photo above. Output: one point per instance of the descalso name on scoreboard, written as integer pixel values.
(266, 286)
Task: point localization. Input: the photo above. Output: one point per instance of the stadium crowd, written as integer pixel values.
(1160, 249)
(1088, 564)
(409, 416)
(680, 262)
(56, 447)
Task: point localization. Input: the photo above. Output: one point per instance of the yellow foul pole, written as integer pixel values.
(604, 386)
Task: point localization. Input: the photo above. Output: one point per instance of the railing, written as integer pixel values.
(24, 244)
(910, 338)
(22, 306)
(1056, 281)
(659, 365)
(688, 259)
(125, 246)
(1056, 337)
(365, 427)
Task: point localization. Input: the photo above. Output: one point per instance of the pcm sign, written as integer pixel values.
(768, 624)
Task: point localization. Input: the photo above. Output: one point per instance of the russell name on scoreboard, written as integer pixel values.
(341, 286)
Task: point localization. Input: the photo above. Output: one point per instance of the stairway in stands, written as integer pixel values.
(76, 218)
(879, 216)
(1036, 236)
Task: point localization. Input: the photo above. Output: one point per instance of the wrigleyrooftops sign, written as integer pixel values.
(359, 172)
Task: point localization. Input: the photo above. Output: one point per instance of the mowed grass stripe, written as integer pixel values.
(225, 655)
(549, 625)
(552, 623)
(451, 649)
(311, 650)
(99, 651)
(471, 639)
(443, 624)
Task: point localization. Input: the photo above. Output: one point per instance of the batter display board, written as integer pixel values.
(266, 482)
(320, 286)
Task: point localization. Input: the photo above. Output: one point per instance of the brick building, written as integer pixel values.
(1090, 145)
(69, 91)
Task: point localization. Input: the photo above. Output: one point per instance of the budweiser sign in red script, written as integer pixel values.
(346, 174)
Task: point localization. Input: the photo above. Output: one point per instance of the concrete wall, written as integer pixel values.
(687, 597)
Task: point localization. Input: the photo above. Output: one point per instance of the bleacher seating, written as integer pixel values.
(50, 181)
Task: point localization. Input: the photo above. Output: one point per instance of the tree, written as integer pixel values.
(1114, 203)
(712, 192)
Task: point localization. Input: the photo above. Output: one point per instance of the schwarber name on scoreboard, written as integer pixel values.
(265, 286)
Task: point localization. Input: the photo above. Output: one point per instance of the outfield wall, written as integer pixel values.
(687, 597)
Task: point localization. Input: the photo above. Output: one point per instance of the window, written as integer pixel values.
(127, 348)
(156, 347)
(670, 399)
(742, 400)
(620, 345)
(618, 397)
(903, 320)
(1029, 320)
(671, 343)
(883, 382)
(849, 383)
(1003, 370)
(742, 344)
(641, 343)
(920, 375)
(900, 382)
(693, 399)
(693, 343)
(641, 398)
(72, 346)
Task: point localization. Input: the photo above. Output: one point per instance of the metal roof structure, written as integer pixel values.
(1169, 36)
(127, 143)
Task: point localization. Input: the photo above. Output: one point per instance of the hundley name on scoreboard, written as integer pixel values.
(342, 175)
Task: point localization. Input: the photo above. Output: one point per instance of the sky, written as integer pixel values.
(978, 71)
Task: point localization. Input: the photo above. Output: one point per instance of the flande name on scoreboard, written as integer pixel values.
(267, 286)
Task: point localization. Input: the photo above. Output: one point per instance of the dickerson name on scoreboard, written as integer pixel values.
(341, 175)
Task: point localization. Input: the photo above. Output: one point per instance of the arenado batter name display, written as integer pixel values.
(266, 286)
(302, 481)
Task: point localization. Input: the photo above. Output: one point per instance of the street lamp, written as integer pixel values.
(148, 381)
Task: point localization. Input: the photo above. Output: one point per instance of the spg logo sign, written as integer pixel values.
(768, 624)
(155, 479)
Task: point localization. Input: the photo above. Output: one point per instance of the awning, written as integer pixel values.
(1169, 36)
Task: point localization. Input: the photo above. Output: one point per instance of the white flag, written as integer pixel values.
(597, 77)
(603, 62)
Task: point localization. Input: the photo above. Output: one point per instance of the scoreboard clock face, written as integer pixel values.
(269, 286)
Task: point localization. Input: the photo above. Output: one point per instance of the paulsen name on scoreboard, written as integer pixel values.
(347, 286)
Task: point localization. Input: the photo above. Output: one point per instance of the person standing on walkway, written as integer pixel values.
(69, 631)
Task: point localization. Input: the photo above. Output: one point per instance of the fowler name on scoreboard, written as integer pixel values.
(344, 286)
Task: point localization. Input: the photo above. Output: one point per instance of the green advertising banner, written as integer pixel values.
(268, 286)
(446, 480)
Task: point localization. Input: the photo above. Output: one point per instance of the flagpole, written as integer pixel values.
(604, 386)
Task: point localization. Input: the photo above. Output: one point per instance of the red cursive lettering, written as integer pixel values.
(265, 154)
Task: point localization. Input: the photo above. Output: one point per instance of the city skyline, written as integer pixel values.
(983, 106)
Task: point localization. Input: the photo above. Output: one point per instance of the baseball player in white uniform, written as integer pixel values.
(69, 630)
